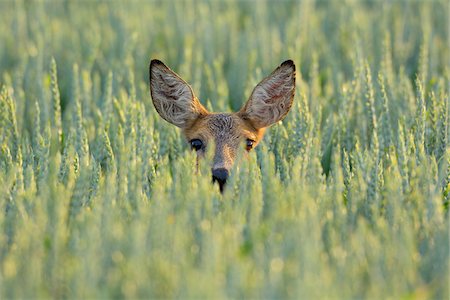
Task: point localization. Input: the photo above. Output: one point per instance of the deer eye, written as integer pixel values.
(249, 144)
(196, 144)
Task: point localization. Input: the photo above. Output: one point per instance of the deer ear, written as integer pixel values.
(272, 98)
(172, 97)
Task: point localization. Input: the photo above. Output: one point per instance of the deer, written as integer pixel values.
(175, 101)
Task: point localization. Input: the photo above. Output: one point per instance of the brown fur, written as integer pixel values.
(176, 103)
(224, 132)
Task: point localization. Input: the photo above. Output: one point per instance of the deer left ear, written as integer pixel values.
(172, 97)
(272, 98)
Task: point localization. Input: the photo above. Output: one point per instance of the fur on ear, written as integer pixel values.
(172, 97)
(272, 98)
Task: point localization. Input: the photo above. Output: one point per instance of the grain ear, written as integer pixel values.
(172, 97)
(272, 98)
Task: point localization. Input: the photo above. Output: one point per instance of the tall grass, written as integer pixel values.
(346, 198)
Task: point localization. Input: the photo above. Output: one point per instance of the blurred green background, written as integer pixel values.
(346, 198)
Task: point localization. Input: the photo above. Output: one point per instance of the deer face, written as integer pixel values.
(176, 103)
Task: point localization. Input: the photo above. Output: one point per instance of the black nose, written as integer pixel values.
(221, 176)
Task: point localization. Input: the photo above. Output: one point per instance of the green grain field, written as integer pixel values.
(346, 198)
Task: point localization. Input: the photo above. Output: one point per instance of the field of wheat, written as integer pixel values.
(345, 198)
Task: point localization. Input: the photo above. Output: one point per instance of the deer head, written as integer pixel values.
(176, 103)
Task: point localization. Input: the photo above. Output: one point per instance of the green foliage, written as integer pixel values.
(347, 197)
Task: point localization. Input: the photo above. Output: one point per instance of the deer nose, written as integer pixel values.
(220, 175)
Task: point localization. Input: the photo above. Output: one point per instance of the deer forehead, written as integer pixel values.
(222, 127)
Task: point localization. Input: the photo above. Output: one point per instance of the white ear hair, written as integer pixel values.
(172, 97)
(272, 98)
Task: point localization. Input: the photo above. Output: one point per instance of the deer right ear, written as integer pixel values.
(272, 98)
(172, 97)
